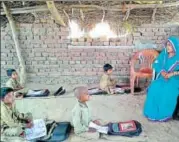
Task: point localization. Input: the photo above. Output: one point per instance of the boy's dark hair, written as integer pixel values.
(5, 91)
(10, 71)
(107, 67)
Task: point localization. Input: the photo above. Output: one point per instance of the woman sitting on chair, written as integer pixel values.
(162, 94)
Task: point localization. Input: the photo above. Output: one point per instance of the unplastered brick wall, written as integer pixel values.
(52, 58)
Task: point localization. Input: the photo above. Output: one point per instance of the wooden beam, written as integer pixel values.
(131, 6)
(32, 9)
(115, 8)
(16, 41)
(55, 14)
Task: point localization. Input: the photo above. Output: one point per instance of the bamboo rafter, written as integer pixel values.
(83, 6)
(17, 45)
(55, 14)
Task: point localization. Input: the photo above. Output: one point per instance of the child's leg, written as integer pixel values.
(89, 135)
(23, 91)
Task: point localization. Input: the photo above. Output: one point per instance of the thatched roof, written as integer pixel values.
(89, 12)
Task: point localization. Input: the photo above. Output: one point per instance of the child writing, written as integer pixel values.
(13, 123)
(106, 82)
(81, 115)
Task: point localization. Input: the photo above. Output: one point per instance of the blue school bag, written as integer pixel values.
(128, 129)
(60, 133)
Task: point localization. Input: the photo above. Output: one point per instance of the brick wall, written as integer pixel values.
(52, 58)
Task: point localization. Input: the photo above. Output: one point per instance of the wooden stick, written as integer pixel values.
(26, 10)
(153, 15)
(55, 14)
(127, 15)
(17, 47)
(116, 8)
(81, 12)
(66, 15)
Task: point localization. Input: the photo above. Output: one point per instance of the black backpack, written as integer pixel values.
(58, 133)
(128, 129)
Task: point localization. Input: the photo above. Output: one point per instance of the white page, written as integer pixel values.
(38, 130)
(101, 129)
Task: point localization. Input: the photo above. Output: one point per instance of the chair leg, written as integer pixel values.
(132, 81)
(137, 81)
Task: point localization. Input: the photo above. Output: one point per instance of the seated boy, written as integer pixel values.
(106, 82)
(81, 116)
(20, 91)
(13, 123)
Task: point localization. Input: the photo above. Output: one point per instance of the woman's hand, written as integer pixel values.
(169, 75)
(164, 74)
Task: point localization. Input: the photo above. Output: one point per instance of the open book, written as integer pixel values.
(38, 130)
(100, 129)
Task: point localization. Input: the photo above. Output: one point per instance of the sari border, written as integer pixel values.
(160, 73)
(161, 120)
(172, 45)
(173, 66)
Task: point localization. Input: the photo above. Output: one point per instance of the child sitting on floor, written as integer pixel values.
(106, 82)
(81, 116)
(20, 91)
(13, 123)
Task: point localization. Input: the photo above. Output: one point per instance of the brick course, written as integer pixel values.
(49, 60)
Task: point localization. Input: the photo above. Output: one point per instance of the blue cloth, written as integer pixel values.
(162, 93)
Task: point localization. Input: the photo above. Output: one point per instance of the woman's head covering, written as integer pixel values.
(174, 40)
(174, 61)
(163, 62)
(5, 91)
(10, 71)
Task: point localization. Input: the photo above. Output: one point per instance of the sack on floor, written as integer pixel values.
(44, 93)
(60, 133)
(128, 129)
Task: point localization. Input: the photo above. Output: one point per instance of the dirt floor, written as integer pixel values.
(107, 108)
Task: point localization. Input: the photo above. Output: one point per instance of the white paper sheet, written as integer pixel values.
(101, 129)
(93, 91)
(38, 130)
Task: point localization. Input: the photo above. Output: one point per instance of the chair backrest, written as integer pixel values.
(145, 57)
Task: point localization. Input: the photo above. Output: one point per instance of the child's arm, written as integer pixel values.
(111, 82)
(7, 118)
(27, 116)
(10, 84)
(79, 127)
